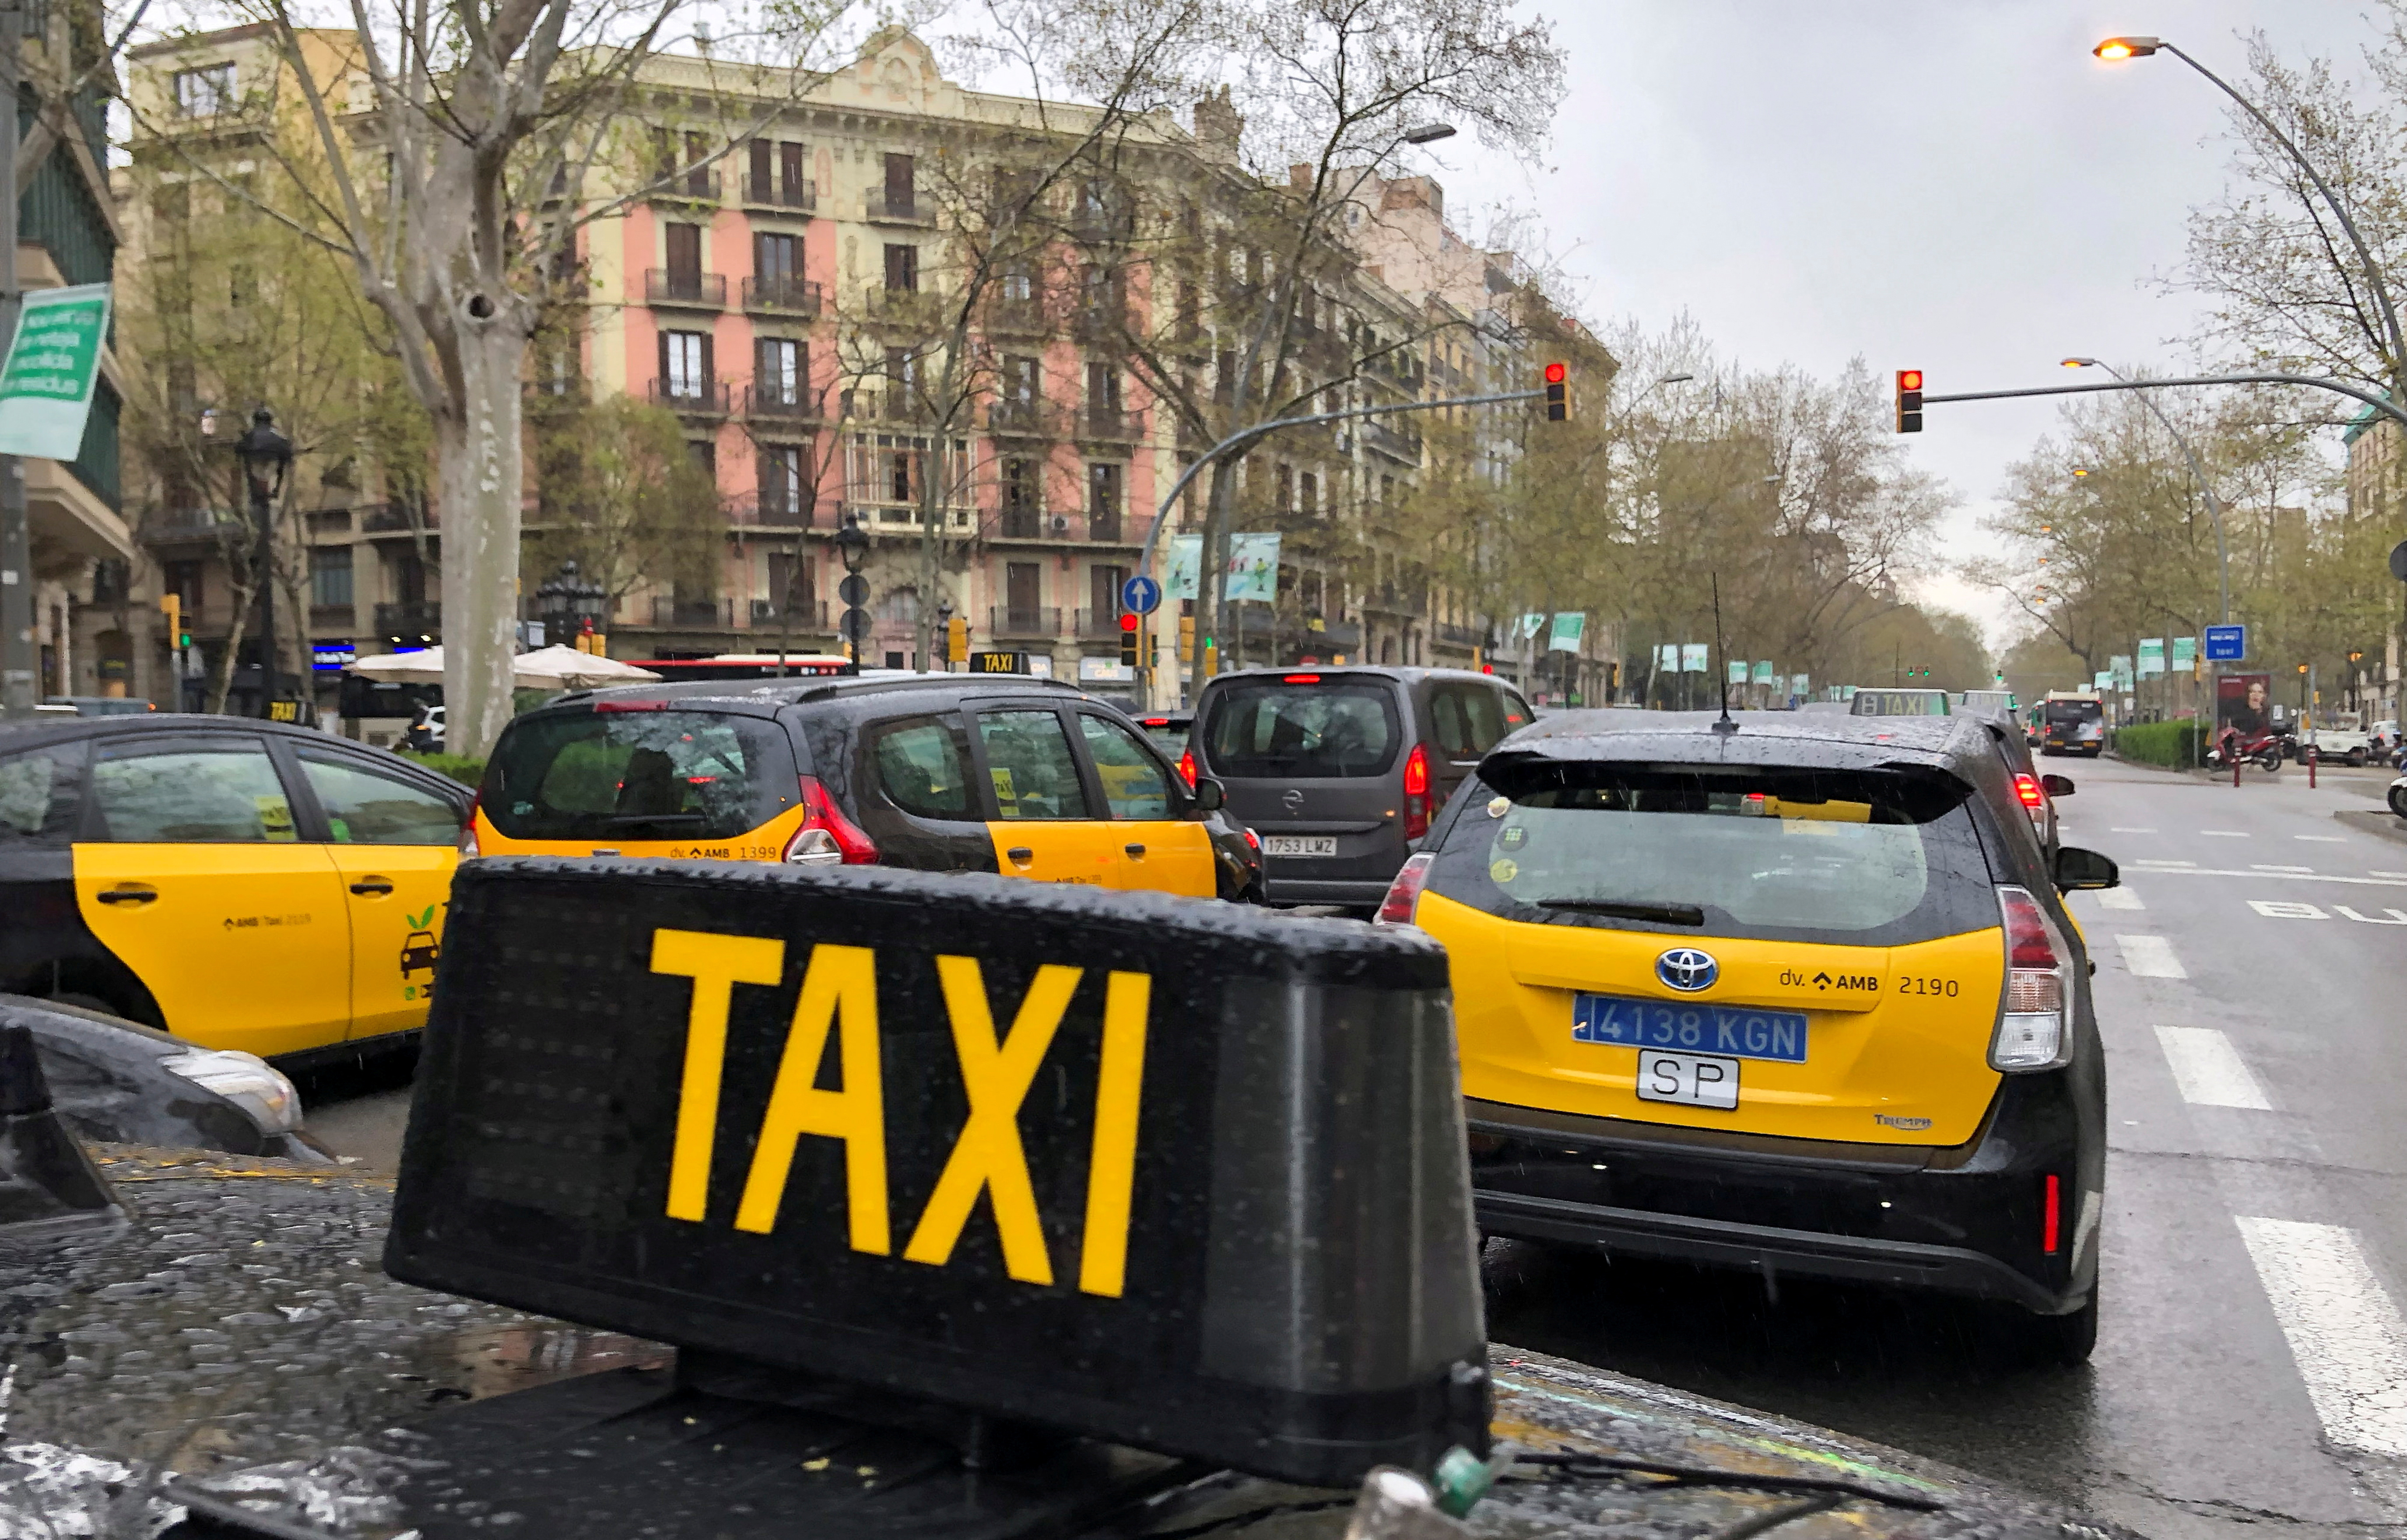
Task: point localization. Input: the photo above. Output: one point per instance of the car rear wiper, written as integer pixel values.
(1670, 914)
(655, 818)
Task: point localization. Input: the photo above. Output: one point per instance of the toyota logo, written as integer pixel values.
(1293, 798)
(1688, 970)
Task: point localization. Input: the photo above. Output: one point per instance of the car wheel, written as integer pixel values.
(2356, 758)
(2399, 800)
(2064, 1341)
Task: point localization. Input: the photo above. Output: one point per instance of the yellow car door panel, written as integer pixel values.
(1044, 828)
(1159, 850)
(393, 845)
(193, 875)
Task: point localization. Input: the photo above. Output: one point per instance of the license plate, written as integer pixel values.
(1734, 1030)
(1299, 845)
(1692, 1079)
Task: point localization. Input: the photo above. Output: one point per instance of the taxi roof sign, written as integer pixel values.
(1178, 1176)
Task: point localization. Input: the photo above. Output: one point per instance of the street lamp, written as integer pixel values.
(2222, 551)
(2116, 50)
(571, 604)
(267, 458)
(1428, 133)
(853, 547)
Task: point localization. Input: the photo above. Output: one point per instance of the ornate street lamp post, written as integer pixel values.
(267, 458)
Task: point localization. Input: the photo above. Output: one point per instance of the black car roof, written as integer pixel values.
(1813, 740)
(771, 696)
(1375, 671)
(22, 731)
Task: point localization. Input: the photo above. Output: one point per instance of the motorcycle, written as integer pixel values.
(2264, 750)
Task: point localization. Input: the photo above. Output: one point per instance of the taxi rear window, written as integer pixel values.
(1855, 857)
(638, 776)
(1286, 730)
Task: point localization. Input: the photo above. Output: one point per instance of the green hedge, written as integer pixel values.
(462, 767)
(2179, 744)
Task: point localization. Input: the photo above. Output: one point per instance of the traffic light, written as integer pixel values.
(1909, 401)
(172, 607)
(956, 640)
(1186, 639)
(1558, 393)
(1128, 624)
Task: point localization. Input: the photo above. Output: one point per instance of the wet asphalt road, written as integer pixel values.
(2251, 1374)
(2252, 1368)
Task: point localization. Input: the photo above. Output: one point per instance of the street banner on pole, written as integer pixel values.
(1692, 658)
(2104, 680)
(1253, 567)
(1568, 630)
(1763, 675)
(1667, 658)
(1735, 671)
(2152, 657)
(1801, 684)
(46, 383)
(2119, 670)
(1184, 569)
(2185, 654)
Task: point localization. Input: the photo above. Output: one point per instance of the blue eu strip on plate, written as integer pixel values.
(1738, 1031)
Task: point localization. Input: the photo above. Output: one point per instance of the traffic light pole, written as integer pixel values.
(2395, 413)
(1245, 438)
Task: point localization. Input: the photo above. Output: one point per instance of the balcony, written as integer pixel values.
(1021, 523)
(697, 290)
(910, 208)
(802, 617)
(1460, 636)
(388, 519)
(1111, 423)
(782, 296)
(693, 187)
(412, 620)
(1020, 418)
(694, 614)
(909, 308)
(1095, 625)
(1099, 322)
(776, 404)
(1037, 623)
(689, 398)
(1394, 442)
(1103, 523)
(167, 526)
(768, 192)
(1332, 636)
(1017, 317)
(332, 617)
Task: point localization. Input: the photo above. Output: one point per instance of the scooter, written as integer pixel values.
(2265, 750)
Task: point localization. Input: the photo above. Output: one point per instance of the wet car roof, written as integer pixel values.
(1764, 738)
(50, 729)
(769, 696)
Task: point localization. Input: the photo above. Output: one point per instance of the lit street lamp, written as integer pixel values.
(2222, 552)
(571, 605)
(267, 458)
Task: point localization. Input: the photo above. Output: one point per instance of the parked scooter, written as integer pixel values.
(2265, 750)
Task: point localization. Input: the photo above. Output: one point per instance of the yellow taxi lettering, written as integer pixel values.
(716, 964)
(841, 982)
(1111, 1167)
(988, 1157)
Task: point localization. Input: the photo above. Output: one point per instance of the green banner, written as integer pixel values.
(2185, 654)
(46, 383)
(1565, 635)
(2152, 657)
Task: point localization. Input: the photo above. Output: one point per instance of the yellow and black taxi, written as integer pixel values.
(942, 773)
(239, 884)
(1797, 998)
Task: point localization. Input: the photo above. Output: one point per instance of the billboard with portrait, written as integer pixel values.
(2244, 704)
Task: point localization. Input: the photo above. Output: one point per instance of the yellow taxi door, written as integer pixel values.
(1044, 826)
(394, 844)
(194, 875)
(1157, 851)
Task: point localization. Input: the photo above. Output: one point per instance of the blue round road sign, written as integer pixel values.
(1141, 595)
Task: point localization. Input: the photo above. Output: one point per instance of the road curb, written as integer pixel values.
(2380, 821)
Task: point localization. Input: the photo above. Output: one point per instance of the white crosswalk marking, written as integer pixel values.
(2225, 833)
(2121, 829)
(2323, 839)
(2118, 898)
(2257, 866)
(2209, 1070)
(2386, 873)
(2151, 957)
(2344, 1330)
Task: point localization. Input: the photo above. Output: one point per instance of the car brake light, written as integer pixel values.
(1254, 840)
(827, 837)
(631, 705)
(2030, 1032)
(469, 829)
(1417, 801)
(1186, 768)
(1402, 904)
(2051, 1217)
(2027, 786)
(1300, 679)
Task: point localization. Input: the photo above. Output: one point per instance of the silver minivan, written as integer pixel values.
(1339, 770)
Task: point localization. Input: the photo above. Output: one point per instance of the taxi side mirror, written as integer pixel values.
(2077, 869)
(2056, 785)
(1210, 796)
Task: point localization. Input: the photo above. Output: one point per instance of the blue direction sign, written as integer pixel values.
(1141, 595)
(2227, 643)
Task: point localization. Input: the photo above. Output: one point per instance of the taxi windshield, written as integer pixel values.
(1862, 857)
(637, 775)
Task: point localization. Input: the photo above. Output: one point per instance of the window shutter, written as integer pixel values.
(709, 372)
(665, 365)
(790, 171)
(759, 188)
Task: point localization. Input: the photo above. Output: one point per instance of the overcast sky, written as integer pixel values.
(1959, 188)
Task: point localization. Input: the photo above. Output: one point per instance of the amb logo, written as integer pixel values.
(1825, 982)
(839, 997)
(420, 952)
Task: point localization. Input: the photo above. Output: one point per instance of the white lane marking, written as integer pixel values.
(2344, 1332)
(2253, 865)
(2154, 864)
(2397, 918)
(2370, 873)
(2283, 908)
(2267, 876)
(2322, 839)
(2151, 957)
(2225, 833)
(2121, 829)
(2118, 898)
(2209, 1070)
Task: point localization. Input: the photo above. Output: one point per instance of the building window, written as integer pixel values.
(1023, 510)
(1103, 591)
(780, 367)
(685, 365)
(705, 456)
(330, 576)
(683, 247)
(1103, 500)
(1307, 495)
(901, 186)
(777, 258)
(1018, 285)
(206, 92)
(903, 269)
(183, 580)
(1020, 596)
(1283, 493)
(785, 484)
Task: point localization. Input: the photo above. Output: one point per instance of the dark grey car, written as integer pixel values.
(1341, 770)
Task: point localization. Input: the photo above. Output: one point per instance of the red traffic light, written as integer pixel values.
(1128, 621)
(1557, 374)
(1909, 380)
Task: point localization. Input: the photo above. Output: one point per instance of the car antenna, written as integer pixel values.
(1722, 659)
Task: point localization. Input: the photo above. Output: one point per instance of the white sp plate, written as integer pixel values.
(1299, 845)
(1692, 1079)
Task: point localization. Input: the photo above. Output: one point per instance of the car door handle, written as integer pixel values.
(377, 885)
(1021, 855)
(127, 895)
(1134, 850)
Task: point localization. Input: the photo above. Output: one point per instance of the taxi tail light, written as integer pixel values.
(2031, 1032)
(469, 829)
(2051, 1214)
(1186, 768)
(827, 837)
(2027, 789)
(1403, 903)
(1416, 799)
